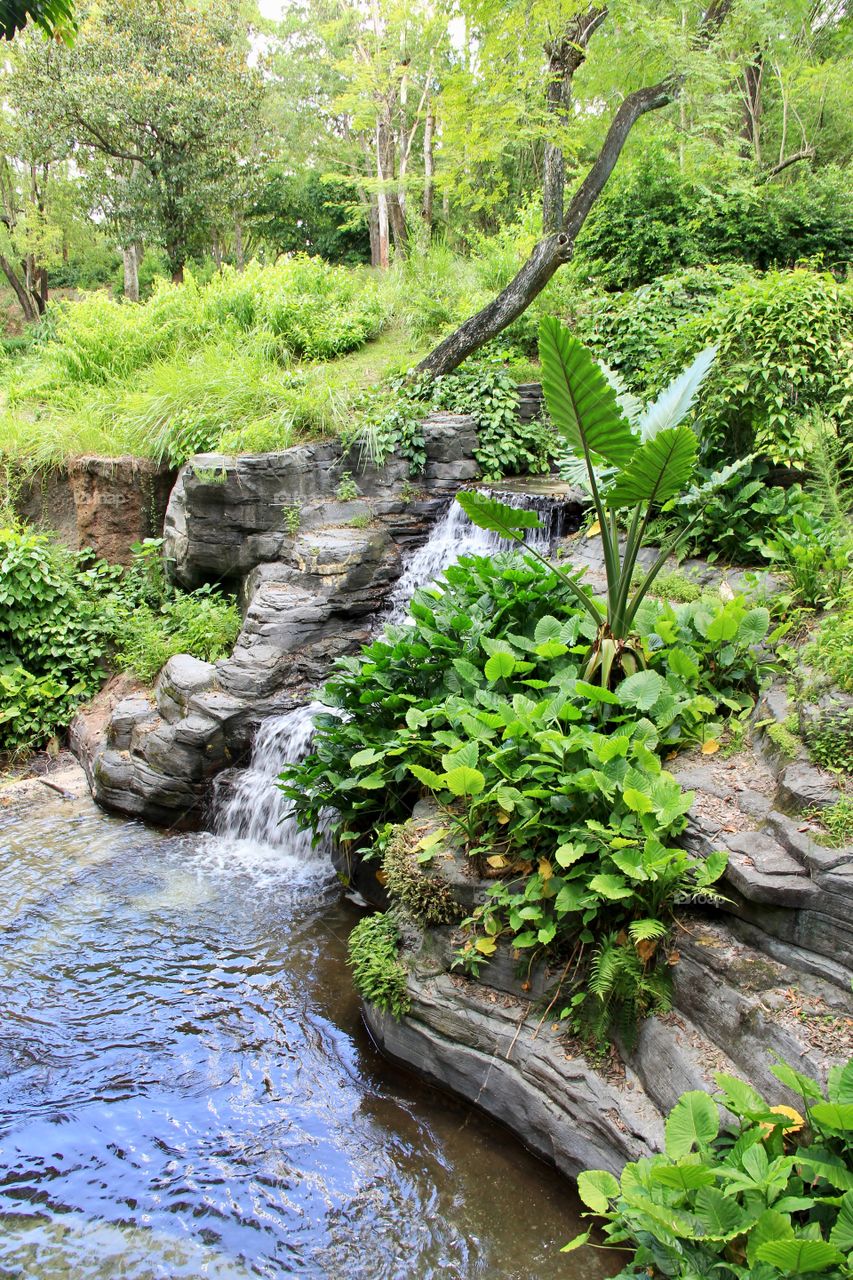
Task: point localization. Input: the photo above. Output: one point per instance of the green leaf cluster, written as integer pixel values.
(66, 620)
(377, 973)
(770, 1196)
(481, 701)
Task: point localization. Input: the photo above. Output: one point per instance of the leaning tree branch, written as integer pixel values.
(807, 153)
(556, 249)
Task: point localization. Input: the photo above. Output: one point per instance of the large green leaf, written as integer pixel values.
(837, 1175)
(693, 1121)
(488, 513)
(833, 1115)
(842, 1233)
(597, 1188)
(770, 1227)
(465, 781)
(794, 1257)
(720, 1217)
(676, 399)
(660, 468)
(683, 1176)
(580, 401)
(841, 1083)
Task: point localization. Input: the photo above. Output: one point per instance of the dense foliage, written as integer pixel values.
(66, 620)
(480, 700)
(766, 1197)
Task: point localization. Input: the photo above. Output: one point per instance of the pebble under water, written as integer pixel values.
(186, 1088)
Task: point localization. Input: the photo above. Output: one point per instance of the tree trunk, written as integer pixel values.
(565, 55)
(551, 252)
(131, 273)
(548, 255)
(429, 170)
(216, 248)
(373, 230)
(753, 78)
(384, 256)
(239, 250)
(26, 302)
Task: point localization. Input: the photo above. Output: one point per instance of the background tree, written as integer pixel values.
(164, 95)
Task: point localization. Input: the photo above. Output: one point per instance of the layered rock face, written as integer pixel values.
(315, 565)
(768, 977)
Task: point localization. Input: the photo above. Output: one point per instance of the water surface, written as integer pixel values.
(186, 1089)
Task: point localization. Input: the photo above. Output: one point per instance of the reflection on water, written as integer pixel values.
(186, 1089)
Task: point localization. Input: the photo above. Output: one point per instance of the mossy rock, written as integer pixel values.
(417, 886)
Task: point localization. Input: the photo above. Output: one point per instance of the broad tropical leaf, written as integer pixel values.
(793, 1257)
(631, 405)
(465, 781)
(597, 1188)
(659, 469)
(720, 1217)
(772, 1226)
(488, 513)
(678, 398)
(833, 1115)
(841, 1083)
(693, 1121)
(842, 1233)
(581, 402)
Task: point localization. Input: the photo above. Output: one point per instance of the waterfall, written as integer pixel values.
(454, 535)
(254, 820)
(255, 814)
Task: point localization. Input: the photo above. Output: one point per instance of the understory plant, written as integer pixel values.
(632, 461)
(551, 784)
(768, 1196)
(67, 620)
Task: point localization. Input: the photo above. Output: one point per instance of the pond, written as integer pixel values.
(186, 1088)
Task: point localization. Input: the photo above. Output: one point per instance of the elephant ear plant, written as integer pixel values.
(634, 460)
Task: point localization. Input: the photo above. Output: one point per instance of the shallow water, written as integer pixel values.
(186, 1088)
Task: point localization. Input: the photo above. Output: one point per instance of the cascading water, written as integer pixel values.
(454, 535)
(254, 822)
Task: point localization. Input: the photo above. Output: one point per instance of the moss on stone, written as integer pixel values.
(787, 743)
(426, 897)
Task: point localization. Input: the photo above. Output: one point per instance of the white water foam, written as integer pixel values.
(453, 536)
(254, 829)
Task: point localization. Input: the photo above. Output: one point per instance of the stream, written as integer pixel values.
(186, 1086)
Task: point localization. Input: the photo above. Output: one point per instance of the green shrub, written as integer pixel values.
(484, 388)
(202, 623)
(837, 820)
(377, 973)
(634, 332)
(770, 1196)
(480, 701)
(784, 348)
(830, 650)
(66, 619)
(53, 637)
(656, 216)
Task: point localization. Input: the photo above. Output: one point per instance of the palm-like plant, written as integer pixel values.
(633, 460)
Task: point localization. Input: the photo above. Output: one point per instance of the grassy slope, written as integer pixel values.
(256, 402)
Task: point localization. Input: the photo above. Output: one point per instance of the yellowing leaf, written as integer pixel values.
(594, 530)
(545, 869)
(486, 946)
(791, 1114)
(710, 747)
(497, 861)
(502, 817)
